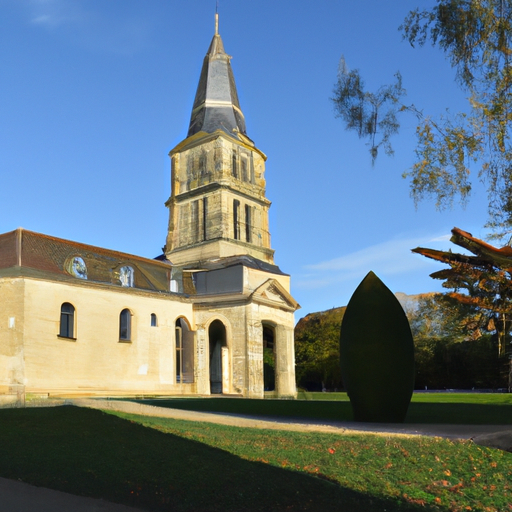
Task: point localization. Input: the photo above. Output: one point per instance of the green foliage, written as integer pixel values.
(476, 36)
(377, 354)
(317, 350)
(269, 372)
(370, 114)
(437, 316)
(451, 349)
(465, 365)
(483, 284)
(444, 150)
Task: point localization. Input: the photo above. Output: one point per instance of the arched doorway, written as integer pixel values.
(218, 360)
(269, 358)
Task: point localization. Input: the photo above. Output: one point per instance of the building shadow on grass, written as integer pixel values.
(91, 453)
(307, 411)
(341, 411)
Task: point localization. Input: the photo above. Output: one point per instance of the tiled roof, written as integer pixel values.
(55, 256)
(8, 250)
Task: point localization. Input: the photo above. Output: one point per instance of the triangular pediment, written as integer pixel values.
(273, 293)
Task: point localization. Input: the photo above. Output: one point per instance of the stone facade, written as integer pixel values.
(218, 206)
(213, 314)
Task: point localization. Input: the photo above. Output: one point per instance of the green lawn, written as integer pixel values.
(435, 397)
(170, 465)
(462, 408)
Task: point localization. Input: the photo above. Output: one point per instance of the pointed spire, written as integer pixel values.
(216, 105)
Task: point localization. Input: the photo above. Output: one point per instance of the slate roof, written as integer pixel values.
(245, 260)
(52, 257)
(216, 105)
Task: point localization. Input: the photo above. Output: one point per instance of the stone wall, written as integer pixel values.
(210, 176)
(244, 350)
(12, 318)
(34, 355)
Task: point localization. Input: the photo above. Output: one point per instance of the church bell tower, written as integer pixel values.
(217, 207)
(218, 244)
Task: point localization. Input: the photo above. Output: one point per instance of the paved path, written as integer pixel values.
(17, 496)
(338, 427)
(21, 497)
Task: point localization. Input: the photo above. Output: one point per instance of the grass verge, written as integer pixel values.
(188, 466)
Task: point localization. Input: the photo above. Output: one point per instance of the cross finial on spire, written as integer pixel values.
(217, 19)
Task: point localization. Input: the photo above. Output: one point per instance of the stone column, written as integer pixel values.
(285, 362)
(226, 387)
(254, 337)
(202, 367)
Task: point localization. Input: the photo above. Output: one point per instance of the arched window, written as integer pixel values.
(202, 162)
(154, 321)
(269, 357)
(248, 223)
(234, 166)
(125, 325)
(67, 320)
(243, 166)
(236, 219)
(205, 218)
(179, 350)
(184, 352)
(251, 161)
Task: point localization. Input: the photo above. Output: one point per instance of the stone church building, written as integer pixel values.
(213, 314)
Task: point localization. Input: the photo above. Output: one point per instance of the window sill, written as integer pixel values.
(66, 338)
(125, 341)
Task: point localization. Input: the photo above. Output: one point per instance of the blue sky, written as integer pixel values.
(96, 93)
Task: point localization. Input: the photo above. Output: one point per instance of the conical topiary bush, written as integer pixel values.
(377, 354)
